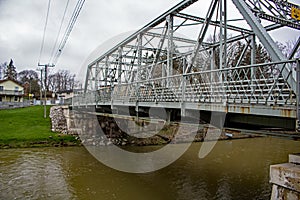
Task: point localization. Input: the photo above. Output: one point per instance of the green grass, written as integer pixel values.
(26, 127)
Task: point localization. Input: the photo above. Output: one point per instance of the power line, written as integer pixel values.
(45, 28)
(68, 30)
(58, 34)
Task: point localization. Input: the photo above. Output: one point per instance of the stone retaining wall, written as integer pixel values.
(98, 130)
(58, 120)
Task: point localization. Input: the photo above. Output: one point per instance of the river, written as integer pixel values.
(235, 169)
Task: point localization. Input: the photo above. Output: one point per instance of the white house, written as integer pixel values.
(11, 91)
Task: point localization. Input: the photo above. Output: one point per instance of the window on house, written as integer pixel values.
(0, 99)
(16, 98)
(1, 88)
(16, 89)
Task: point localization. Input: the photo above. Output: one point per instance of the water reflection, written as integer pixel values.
(236, 169)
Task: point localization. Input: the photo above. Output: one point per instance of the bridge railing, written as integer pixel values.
(260, 84)
(254, 84)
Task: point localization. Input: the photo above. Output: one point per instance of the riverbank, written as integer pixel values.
(26, 127)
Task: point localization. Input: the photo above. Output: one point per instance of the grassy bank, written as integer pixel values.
(26, 127)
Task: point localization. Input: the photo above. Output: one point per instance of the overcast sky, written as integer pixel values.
(22, 23)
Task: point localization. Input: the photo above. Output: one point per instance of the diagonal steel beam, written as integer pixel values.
(179, 7)
(202, 34)
(295, 49)
(265, 38)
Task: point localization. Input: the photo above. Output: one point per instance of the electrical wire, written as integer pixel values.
(68, 30)
(58, 34)
(44, 34)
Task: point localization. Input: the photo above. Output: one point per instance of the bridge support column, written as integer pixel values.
(137, 109)
(285, 179)
(183, 113)
(168, 112)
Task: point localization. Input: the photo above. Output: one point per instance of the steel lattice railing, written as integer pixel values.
(261, 84)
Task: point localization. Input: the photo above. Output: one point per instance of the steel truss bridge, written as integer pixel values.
(217, 55)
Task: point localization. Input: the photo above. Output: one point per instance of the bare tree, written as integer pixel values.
(287, 48)
(2, 69)
(61, 81)
(30, 79)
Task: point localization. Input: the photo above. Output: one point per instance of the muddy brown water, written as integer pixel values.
(236, 169)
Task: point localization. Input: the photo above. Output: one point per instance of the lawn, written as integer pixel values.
(26, 127)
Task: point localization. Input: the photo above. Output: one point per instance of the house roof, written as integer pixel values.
(16, 82)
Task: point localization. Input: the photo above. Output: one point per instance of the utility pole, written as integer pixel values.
(45, 84)
(41, 88)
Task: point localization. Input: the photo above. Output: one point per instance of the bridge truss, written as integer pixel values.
(216, 57)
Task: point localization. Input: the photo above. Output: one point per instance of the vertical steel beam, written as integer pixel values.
(106, 71)
(138, 73)
(170, 48)
(221, 47)
(119, 74)
(96, 78)
(253, 61)
(225, 31)
(163, 74)
(139, 67)
(139, 58)
(253, 50)
(96, 83)
(212, 67)
(184, 63)
(183, 88)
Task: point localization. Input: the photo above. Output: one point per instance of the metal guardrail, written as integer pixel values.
(261, 84)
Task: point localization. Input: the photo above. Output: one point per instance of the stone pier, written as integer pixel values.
(286, 179)
(62, 120)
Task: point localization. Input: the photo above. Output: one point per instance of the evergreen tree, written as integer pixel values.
(10, 72)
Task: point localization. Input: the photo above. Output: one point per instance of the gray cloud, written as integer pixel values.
(22, 25)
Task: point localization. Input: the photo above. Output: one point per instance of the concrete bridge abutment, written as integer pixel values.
(286, 179)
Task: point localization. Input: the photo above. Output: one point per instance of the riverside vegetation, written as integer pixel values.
(26, 127)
